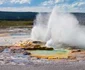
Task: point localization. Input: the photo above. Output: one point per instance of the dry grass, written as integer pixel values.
(6, 23)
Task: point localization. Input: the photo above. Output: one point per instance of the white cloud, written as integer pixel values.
(25, 9)
(49, 2)
(78, 4)
(40, 9)
(47, 5)
(57, 1)
(2, 1)
(20, 1)
(81, 3)
(15, 1)
(65, 5)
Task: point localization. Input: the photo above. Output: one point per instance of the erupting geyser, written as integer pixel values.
(40, 26)
(58, 29)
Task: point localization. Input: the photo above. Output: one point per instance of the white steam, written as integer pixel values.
(40, 27)
(61, 28)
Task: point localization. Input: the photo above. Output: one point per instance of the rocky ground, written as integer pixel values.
(10, 61)
(7, 57)
(21, 60)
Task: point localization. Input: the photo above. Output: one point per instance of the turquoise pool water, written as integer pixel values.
(47, 52)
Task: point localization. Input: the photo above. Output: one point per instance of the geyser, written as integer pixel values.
(57, 29)
(40, 26)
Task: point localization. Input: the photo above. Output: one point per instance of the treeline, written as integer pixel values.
(17, 16)
(30, 16)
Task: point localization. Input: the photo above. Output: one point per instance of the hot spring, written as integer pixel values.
(58, 29)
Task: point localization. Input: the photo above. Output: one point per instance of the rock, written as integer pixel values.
(20, 58)
(34, 45)
(1, 48)
(17, 50)
(15, 47)
(72, 57)
(6, 50)
(27, 53)
(37, 42)
(76, 50)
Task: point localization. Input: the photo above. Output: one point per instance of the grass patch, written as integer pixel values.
(7, 23)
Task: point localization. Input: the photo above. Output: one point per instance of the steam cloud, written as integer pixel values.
(57, 29)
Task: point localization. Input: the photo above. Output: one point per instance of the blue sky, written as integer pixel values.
(42, 5)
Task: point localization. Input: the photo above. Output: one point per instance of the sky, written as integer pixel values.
(42, 5)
